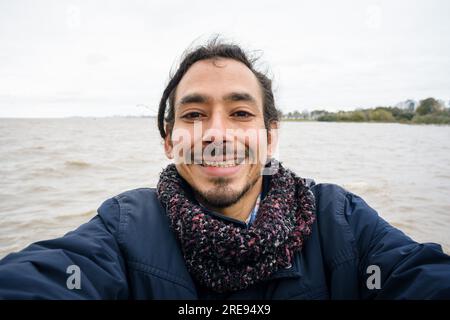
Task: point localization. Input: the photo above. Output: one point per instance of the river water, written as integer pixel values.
(55, 173)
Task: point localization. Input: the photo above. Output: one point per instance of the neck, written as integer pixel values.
(241, 209)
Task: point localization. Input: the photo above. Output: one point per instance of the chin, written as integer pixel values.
(220, 197)
(217, 190)
(222, 192)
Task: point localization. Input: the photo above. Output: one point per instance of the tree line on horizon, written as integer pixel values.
(428, 111)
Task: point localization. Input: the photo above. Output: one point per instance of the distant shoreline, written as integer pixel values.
(347, 121)
(426, 111)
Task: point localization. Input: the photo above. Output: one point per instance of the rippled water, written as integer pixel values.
(54, 173)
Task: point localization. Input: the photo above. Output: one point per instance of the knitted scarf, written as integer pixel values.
(224, 256)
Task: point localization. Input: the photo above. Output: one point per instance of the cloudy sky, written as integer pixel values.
(99, 58)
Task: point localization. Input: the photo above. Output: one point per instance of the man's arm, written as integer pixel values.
(84, 264)
(408, 270)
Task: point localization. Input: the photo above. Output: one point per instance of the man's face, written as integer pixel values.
(218, 131)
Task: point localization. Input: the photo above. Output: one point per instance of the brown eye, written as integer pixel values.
(242, 114)
(192, 116)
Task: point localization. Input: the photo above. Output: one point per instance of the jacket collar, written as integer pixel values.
(292, 271)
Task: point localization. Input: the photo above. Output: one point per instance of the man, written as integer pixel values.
(227, 221)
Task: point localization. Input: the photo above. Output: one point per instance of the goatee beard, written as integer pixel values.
(222, 196)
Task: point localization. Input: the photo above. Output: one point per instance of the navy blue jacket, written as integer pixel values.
(128, 251)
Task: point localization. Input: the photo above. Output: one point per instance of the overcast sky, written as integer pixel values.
(100, 58)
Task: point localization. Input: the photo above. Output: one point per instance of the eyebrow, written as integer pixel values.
(203, 99)
(194, 98)
(239, 96)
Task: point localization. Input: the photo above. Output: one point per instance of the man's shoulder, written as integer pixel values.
(140, 221)
(330, 201)
(138, 198)
(329, 193)
(138, 207)
(135, 201)
(325, 187)
(136, 194)
(335, 205)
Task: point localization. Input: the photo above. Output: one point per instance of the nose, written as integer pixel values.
(215, 129)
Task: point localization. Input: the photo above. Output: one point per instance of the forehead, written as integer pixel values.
(218, 77)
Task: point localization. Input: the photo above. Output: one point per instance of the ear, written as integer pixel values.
(272, 139)
(168, 145)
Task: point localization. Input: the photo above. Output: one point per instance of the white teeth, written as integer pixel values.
(221, 164)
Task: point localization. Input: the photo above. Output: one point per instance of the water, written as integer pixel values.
(55, 173)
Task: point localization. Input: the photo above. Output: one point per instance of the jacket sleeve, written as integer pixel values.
(49, 269)
(408, 270)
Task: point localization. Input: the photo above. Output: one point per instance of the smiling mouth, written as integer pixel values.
(222, 164)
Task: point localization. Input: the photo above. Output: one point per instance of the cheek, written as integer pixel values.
(182, 142)
(185, 172)
(256, 141)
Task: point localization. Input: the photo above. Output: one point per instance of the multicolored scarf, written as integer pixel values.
(224, 256)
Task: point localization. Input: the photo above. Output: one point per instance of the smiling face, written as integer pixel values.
(222, 146)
